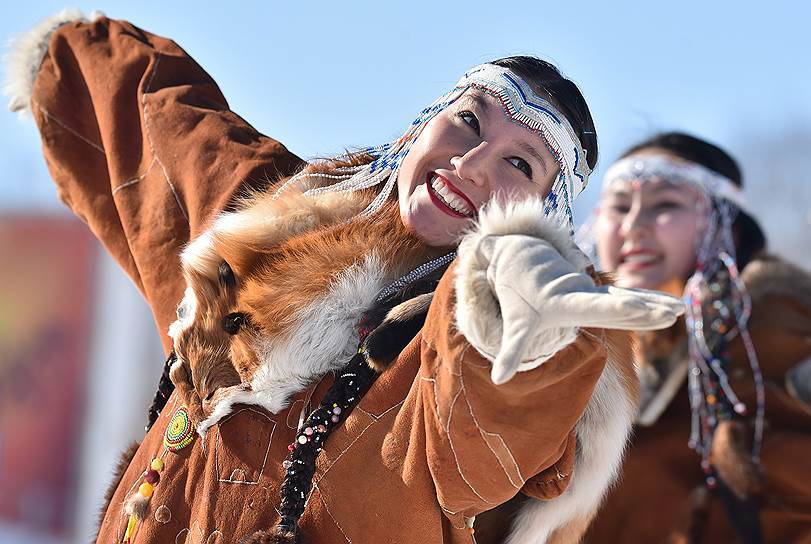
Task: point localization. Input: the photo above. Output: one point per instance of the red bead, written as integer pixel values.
(291, 447)
(152, 476)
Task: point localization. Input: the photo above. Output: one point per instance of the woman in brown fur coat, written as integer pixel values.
(746, 477)
(514, 381)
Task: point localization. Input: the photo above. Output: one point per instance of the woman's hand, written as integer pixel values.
(544, 299)
(523, 292)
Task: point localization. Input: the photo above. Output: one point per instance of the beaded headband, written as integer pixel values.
(520, 103)
(659, 167)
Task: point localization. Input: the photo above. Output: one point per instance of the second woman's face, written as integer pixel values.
(467, 153)
(647, 232)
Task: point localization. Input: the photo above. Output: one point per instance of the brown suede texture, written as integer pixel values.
(652, 503)
(143, 147)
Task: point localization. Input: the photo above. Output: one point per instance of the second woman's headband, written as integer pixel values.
(658, 167)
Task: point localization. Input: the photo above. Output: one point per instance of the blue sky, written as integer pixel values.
(320, 76)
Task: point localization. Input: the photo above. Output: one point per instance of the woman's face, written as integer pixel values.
(467, 153)
(647, 232)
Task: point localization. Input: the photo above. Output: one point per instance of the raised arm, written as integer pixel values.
(139, 140)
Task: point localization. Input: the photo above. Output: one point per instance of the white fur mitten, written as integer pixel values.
(523, 292)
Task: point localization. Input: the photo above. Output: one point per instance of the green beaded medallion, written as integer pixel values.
(180, 431)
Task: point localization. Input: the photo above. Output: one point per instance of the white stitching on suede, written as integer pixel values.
(453, 450)
(360, 434)
(149, 138)
(62, 124)
(231, 479)
(321, 496)
(504, 443)
(135, 180)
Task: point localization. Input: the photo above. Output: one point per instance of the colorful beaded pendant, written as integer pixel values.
(137, 505)
(180, 431)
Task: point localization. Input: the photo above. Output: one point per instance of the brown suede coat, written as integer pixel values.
(656, 499)
(143, 147)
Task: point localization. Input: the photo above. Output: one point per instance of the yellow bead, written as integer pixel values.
(146, 489)
(157, 464)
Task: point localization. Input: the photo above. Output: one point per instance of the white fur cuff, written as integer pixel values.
(26, 53)
(478, 314)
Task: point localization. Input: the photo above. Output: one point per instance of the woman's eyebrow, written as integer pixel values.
(475, 100)
(534, 152)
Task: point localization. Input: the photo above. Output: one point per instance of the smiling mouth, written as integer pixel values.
(638, 260)
(447, 199)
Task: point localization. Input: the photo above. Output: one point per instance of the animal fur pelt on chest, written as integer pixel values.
(274, 295)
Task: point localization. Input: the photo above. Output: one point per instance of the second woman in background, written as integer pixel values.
(671, 218)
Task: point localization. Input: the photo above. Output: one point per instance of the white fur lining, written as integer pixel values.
(478, 315)
(189, 308)
(325, 339)
(26, 54)
(602, 435)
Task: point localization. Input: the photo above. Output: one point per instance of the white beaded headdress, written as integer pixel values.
(660, 167)
(718, 305)
(520, 103)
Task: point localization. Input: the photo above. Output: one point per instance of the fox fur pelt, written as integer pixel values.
(274, 294)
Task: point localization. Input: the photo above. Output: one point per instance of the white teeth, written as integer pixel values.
(448, 197)
(641, 258)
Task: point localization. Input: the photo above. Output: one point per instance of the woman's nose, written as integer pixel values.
(474, 165)
(635, 222)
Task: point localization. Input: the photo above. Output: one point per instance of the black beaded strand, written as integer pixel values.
(349, 386)
(165, 388)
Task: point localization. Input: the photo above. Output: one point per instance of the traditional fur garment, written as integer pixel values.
(290, 278)
(436, 441)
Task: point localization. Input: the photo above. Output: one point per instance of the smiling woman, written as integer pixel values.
(466, 155)
(673, 217)
(382, 347)
(648, 232)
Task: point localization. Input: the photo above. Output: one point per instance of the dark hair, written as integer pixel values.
(546, 79)
(749, 237)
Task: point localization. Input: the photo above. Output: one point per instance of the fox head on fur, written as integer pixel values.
(214, 340)
(212, 343)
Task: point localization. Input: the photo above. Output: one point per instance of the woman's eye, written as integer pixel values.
(521, 165)
(620, 208)
(470, 118)
(664, 206)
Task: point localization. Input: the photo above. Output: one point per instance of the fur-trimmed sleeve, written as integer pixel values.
(139, 140)
(484, 443)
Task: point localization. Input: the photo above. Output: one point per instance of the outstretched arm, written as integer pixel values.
(514, 393)
(139, 140)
